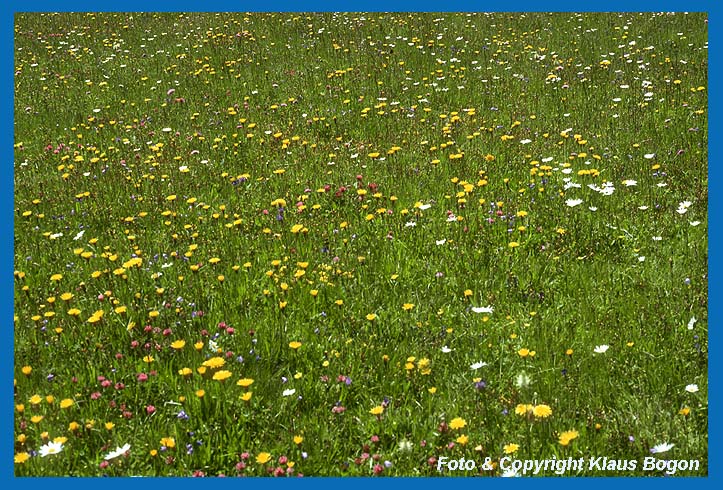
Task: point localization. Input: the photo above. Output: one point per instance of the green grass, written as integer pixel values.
(173, 138)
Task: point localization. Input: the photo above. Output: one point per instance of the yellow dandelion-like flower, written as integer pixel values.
(246, 396)
(66, 403)
(541, 411)
(510, 448)
(178, 344)
(222, 375)
(168, 442)
(245, 382)
(568, 436)
(26, 370)
(294, 345)
(378, 410)
(523, 409)
(185, 371)
(407, 306)
(457, 423)
(298, 440)
(20, 458)
(263, 458)
(463, 439)
(214, 362)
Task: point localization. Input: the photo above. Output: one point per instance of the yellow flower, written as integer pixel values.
(222, 375)
(294, 345)
(36, 419)
(424, 366)
(542, 411)
(684, 411)
(457, 423)
(298, 440)
(523, 409)
(214, 362)
(510, 448)
(371, 316)
(467, 292)
(523, 352)
(568, 436)
(407, 306)
(20, 458)
(73, 426)
(296, 228)
(378, 410)
(56, 277)
(35, 400)
(246, 396)
(463, 439)
(200, 393)
(169, 442)
(66, 296)
(27, 370)
(178, 344)
(245, 382)
(185, 371)
(20, 407)
(263, 458)
(109, 425)
(514, 244)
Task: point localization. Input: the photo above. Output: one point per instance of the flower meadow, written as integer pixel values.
(323, 244)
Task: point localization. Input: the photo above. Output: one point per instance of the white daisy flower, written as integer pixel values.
(478, 365)
(692, 388)
(661, 448)
(573, 202)
(483, 309)
(288, 392)
(119, 451)
(601, 349)
(50, 448)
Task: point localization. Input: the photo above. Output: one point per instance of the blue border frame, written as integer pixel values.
(715, 176)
